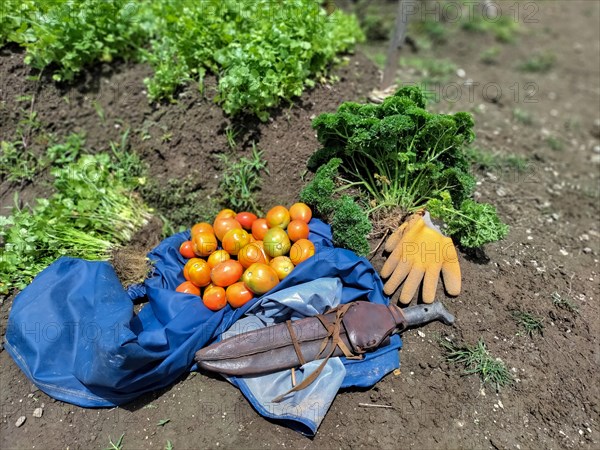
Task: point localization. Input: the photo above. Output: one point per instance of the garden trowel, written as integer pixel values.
(349, 330)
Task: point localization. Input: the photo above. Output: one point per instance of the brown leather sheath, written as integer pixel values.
(362, 326)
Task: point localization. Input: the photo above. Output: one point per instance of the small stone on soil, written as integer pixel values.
(37, 412)
(20, 421)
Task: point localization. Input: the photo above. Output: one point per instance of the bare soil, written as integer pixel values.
(552, 207)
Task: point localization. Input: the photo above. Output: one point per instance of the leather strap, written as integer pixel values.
(295, 342)
(333, 336)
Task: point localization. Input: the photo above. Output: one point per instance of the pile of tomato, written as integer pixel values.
(240, 255)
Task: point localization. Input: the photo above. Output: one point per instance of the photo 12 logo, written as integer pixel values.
(453, 11)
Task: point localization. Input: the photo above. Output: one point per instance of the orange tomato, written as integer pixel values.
(226, 214)
(277, 242)
(226, 273)
(238, 294)
(217, 257)
(260, 278)
(246, 219)
(282, 265)
(300, 211)
(253, 253)
(188, 288)
(297, 229)
(234, 240)
(204, 244)
(202, 227)
(199, 273)
(278, 216)
(301, 251)
(187, 250)
(223, 225)
(259, 229)
(187, 266)
(214, 299)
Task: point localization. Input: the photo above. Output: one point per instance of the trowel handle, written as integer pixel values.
(415, 316)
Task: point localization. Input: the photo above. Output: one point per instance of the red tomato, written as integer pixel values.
(260, 278)
(282, 265)
(277, 242)
(238, 294)
(259, 229)
(301, 251)
(253, 253)
(187, 250)
(187, 266)
(202, 227)
(297, 229)
(300, 211)
(199, 273)
(234, 240)
(204, 244)
(222, 226)
(214, 298)
(226, 273)
(188, 288)
(278, 216)
(246, 219)
(217, 257)
(226, 214)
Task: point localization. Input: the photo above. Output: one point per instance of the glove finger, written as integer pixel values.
(400, 273)
(394, 239)
(393, 261)
(451, 268)
(432, 275)
(411, 284)
(452, 278)
(388, 267)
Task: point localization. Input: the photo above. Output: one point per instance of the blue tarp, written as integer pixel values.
(74, 333)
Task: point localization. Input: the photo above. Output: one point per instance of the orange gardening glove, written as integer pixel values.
(419, 252)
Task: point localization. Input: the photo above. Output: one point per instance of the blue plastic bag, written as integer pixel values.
(74, 333)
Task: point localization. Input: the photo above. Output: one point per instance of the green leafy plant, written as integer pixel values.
(18, 163)
(231, 134)
(490, 56)
(241, 179)
(473, 224)
(260, 60)
(564, 302)
(538, 63)
(555, 143)
(486, 160)
(399, 154)
(529, 322)
(477, 360)
(504, 28)
(92, 211)
(263, 52)
(522, 116)
(74, 34)
(349, 221)
(431, 71)
(115, 445)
